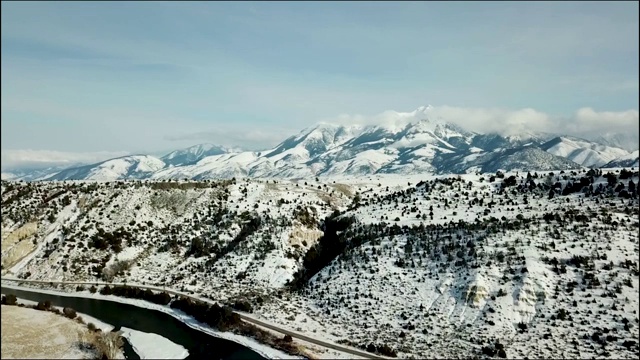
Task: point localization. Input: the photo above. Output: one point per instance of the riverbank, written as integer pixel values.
(247, 342)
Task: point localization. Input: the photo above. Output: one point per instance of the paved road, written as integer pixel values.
(243, 316)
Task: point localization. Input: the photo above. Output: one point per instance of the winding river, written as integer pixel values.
(199, 344)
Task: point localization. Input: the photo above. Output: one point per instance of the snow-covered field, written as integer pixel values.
(435, 266)
(153, 346)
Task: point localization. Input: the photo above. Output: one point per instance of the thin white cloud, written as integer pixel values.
(47, 158)
(590, 122)
(584, 122)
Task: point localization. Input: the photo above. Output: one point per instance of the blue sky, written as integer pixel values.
(115, 77)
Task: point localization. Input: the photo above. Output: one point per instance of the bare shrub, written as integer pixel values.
(69, 312)
(9, 299)
(108, 344)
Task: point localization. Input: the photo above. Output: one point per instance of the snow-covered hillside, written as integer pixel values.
(193, 154)
(543, 263)
(628, 141)
(630, 160)
(583, 152)
(127, 167)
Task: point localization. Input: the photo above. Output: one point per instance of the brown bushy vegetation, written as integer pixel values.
(9, 299)
(69, 312)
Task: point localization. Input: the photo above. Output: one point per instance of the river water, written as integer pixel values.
(200, 345)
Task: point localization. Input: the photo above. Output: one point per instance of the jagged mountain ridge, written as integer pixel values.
(405, 143)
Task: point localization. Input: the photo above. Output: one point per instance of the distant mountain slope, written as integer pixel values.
(627, 161)
(217, 166)
(527, 158)
(629, 141)
(193, 154)
(127, 167)
(30, 174)
(582, 151)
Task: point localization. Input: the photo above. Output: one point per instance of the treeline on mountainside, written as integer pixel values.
(250, 225)
(167, 185)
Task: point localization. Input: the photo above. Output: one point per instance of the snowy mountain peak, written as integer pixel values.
(423, 109)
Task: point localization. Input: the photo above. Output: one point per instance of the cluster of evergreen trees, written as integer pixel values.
(162, 298)
(219, 317)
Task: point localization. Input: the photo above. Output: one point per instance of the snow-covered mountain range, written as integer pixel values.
(406, 143)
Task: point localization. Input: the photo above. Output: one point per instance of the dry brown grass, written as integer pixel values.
(33, 334)
(300, 234)
(17, 244)
(328, 199)
(104, 344)
(11, 237)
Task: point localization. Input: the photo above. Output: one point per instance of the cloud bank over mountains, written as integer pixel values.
(584, 122)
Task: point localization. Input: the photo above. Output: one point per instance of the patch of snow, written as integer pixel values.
(153, 346)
